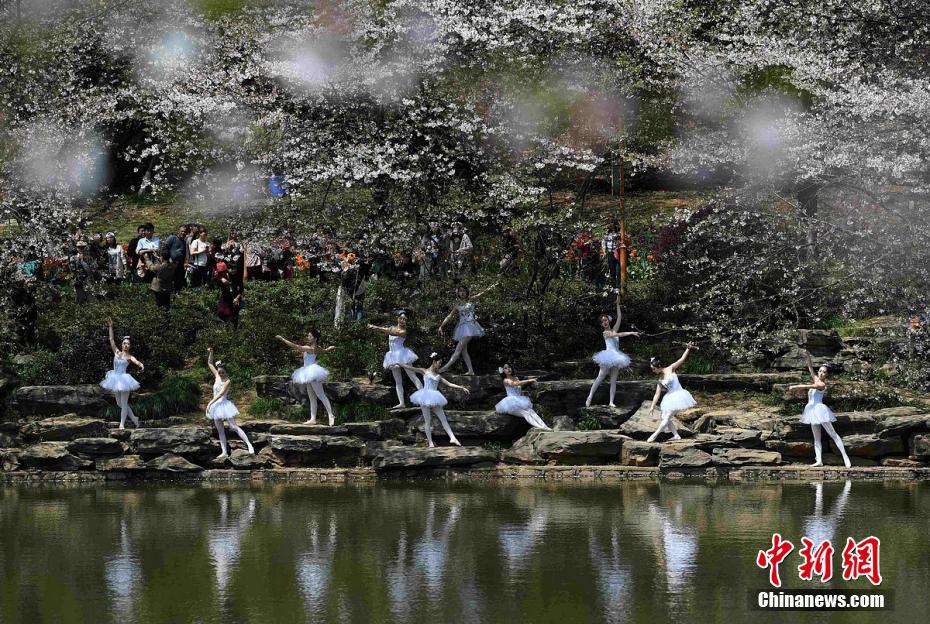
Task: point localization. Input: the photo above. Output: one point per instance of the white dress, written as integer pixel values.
(118, 380)
(428, 395)
(310, 372)
(398, 353)
(612, 356)
(224, 408)
(676, 398)
(815, 412)
(468, 326)
(514, 402)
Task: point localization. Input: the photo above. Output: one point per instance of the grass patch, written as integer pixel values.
(264, 407)
(589, 423)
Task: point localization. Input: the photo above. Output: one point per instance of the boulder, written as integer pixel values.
(476, 425)
(758, 418)
(122, 435)
(563, 423)
(566, 447)
(126, 463)
(902, 462)
(871, 446)
(745, 457)
(305, 450)
(86, 400)
(643, 424)
(10, 440)
(636, 453)
(95, 447)
(51, 456)
(187, 441)
(241, 459)
(671, 457)
(261, 426)
(304, 429)
(902, 426)
(791, 427)
(919, 447)
(169, 462)
(604, 416)
(405, 457)
(822, 344)
(792, 448)
(68, 427)
(376, 430)
(9, 459)
(748, 438)
(567, 397)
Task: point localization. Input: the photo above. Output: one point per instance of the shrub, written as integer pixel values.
(176, 395)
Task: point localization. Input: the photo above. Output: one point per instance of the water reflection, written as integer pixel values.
(433, 552)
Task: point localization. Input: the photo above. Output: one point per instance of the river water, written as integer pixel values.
(441, 552)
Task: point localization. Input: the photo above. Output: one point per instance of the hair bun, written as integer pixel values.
(500, 370)
(433, 355)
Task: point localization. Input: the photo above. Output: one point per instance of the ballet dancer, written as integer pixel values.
(467, 328)
(818, 415)
(611, 359)
(431, 400)
(118, 381)
(398, 356)
(311, 375)
(676, 398)
(220, 408)
(515, 403)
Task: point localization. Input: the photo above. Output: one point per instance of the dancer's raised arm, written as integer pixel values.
(684, 356)
(391, 331)
(810, 365)
(486, 290)
(293, 345)
(616, 326)
(210, 362)
(112, 339)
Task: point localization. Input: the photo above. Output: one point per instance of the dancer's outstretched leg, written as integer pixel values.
(311, 398)
(221, 430)
(534, 419)
(445, 425)
(465, 356)
(414, 379)
(838, 441)
(613, 385)
(818, 446)
(460, 345)
(427, 426)
(399, 388)
(321, 393)
(235, 427)
(601, 374)
(667, 422)
(132, 415)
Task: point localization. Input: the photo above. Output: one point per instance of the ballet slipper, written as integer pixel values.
(312, 421)
(612, 405)
(470, 374)
(455, 442)
(676, 437)
(587, 403)
(221, 457)
(847, 463)
(121, 427)
(817, 465)
(332, 421)
(399, 406)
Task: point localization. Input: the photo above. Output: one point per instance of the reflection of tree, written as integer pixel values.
(123, 576)
(819, 526)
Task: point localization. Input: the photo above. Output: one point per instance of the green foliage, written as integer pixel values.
(176, 395)
(265, 407)
(589, 422)
(699, 364)
(359, 411)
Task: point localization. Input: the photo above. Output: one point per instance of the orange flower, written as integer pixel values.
(650, 258)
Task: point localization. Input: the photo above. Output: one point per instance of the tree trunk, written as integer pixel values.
(807, 202)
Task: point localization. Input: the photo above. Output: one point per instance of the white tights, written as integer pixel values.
(666, 423)
(818, 444)
(399, 383)
(461, 350)
(427, 427)
(533, 419)
(122, 399)
(314, 391)
(601, 375)
(221, 430)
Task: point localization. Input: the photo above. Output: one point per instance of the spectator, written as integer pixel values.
(510, 249)
(162, 278)
(83, 272)
(460, 250)
(230, 296)
(116, 259)
(231, 254)
(199, 259)
(428, 251)
(611, 248)
(131, 254)
(24, 312)
(177, 251)
(147, 250)
(254, 255)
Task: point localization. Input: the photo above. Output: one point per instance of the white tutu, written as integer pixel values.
(513, 404)
(467, 329)
(816, 414)
(399, 356)
(428, 398)
(609, 358)
(119, 382)
(309, 374)
(222, 410)
(677, 400)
